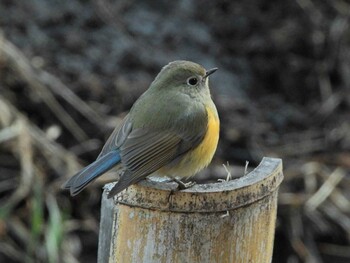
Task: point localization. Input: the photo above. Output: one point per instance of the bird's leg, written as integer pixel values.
(183, 185)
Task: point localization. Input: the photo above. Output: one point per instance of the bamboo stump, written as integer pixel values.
(230, 221)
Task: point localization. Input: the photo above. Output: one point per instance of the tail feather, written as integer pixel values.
(81, 179)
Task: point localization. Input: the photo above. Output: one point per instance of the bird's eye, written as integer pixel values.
(192, 81)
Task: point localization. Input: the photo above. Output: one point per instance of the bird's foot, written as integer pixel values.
(183, 185)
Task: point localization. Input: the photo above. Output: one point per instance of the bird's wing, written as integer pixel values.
(118, 136)
(144, 151)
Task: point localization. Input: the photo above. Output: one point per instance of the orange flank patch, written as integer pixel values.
(204, 152)
(201, 156)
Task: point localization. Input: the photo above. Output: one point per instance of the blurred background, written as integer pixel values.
(70, 70)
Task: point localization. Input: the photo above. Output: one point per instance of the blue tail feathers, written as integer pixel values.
(80, 180)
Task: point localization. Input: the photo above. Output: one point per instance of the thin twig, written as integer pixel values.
(325, 190)
(21, 64)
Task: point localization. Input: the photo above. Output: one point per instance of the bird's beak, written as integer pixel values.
(210, 71)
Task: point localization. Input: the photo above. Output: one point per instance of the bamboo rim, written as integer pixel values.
(205, 198)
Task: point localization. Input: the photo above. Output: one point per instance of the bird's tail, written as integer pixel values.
(81, 179)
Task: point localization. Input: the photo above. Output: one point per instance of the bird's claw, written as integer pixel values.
(183, 185)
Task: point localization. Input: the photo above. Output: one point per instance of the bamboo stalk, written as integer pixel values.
(230, 221)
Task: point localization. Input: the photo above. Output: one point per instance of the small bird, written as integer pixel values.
(171, 130)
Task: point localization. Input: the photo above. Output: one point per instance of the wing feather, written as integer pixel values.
(131, 177)
(144, 150)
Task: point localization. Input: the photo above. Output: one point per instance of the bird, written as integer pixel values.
(171, 130)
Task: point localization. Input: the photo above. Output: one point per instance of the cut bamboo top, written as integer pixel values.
(154, 193)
